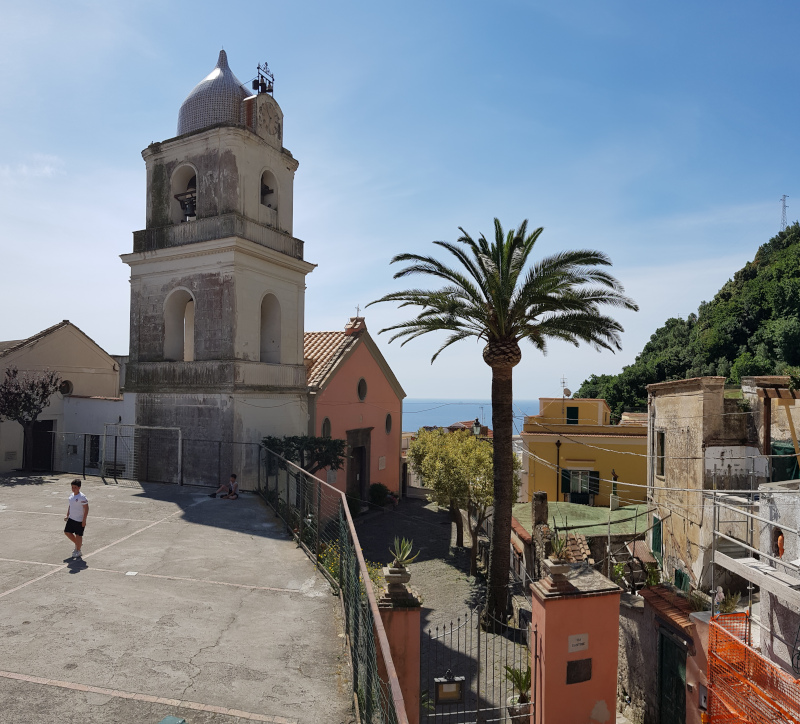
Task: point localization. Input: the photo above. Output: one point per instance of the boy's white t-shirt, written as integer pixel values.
(76, 503)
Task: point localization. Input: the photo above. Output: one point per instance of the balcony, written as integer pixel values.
(213, 375)
(217, 227)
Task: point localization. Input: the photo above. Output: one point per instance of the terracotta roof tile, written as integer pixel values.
(321, 351)
(578, 548)
(670, 606)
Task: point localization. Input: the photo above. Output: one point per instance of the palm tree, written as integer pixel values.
(490, 295)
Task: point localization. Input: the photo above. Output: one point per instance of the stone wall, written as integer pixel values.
(637, 670)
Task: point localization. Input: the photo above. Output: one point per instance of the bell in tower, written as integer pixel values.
(218, 281)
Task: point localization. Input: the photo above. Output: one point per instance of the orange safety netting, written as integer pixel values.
(743, 686)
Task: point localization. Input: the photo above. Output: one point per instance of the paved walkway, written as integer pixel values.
(182, 605)
(441, 572)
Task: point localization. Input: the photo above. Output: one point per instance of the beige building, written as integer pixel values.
(89, 394)
(699, 440)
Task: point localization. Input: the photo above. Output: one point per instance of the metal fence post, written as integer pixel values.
(84, 456)
(301, 504)
(535, 668)
(115, 457)
(319, 515)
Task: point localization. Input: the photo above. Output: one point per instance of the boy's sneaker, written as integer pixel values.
(78, 554)
(74, 551)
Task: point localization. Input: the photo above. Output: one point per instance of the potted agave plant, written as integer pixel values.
(519, 705)
(396, 573)
(557, 564)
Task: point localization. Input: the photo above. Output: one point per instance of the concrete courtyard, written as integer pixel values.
(183, 605)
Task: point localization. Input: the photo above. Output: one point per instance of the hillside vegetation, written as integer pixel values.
(751, 327)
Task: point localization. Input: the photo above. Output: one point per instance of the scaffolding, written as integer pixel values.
(743, 686)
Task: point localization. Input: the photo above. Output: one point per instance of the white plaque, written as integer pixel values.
(578, 642)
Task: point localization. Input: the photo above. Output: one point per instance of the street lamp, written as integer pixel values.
(476, 428)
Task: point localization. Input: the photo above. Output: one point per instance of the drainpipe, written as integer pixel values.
(558, 468)
(767, 451)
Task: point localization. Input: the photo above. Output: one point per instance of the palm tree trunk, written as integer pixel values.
(499, 556)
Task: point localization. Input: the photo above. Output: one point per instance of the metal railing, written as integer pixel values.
(318, 517)
(217, 227)
(150, 455)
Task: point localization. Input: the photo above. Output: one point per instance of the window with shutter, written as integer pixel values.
(572, 416)
(594, 482)
(655, 543)
(565, 480)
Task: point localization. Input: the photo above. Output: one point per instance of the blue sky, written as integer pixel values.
(662, 134)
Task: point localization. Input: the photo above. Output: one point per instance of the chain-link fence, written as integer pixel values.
(152, 455)
(317, 515)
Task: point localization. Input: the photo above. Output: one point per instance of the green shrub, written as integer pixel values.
(378, 494)
(729, 603)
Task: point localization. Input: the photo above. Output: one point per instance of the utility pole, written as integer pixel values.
(783, 212)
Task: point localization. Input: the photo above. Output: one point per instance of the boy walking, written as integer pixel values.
(77, 512)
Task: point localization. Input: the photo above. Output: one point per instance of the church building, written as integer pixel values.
(218, 282)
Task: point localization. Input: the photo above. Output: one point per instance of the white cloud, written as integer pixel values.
(38, 165)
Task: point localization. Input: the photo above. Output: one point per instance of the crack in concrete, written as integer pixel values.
(233, 616)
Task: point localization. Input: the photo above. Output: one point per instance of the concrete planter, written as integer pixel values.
(518, 713)
(396, 576)
(557, 568)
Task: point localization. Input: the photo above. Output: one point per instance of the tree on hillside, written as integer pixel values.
(492, 294)
(310, 453)
(457, 467)
(750, 327)
(23, 396)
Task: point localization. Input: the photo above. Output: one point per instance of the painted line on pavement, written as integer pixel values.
(118, 693)
(99, 550)
(32, 563)
(201, 580)
(94, 517)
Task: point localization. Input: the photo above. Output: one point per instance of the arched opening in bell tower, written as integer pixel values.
(179, 327)
(270, 330)
(268, 195)
(183, 201)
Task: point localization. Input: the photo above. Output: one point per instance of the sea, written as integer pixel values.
(418, 412)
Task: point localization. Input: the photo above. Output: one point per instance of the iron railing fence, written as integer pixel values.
(463, 649)
(318, 517)
(151, 455)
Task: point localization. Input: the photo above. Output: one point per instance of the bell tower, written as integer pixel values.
(218, 279)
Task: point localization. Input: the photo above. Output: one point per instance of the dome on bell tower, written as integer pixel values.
(215, 99)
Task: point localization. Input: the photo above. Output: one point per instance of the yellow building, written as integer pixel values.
(576, 455)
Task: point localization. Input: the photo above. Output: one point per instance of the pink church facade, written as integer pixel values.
(354, 396)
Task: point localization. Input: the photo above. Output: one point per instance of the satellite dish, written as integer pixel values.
(567, 392)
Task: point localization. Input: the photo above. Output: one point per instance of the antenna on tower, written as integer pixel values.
(783, 212)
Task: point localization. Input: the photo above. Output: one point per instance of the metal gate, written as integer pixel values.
(464, 657)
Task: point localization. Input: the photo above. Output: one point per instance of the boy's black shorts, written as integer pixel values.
(74, 527)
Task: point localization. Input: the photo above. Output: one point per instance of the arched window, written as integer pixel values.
(270, 329)
(183, 202)
(269, 190)
(388, 424)
(362, 389)
(326, 428)
(179, 327)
